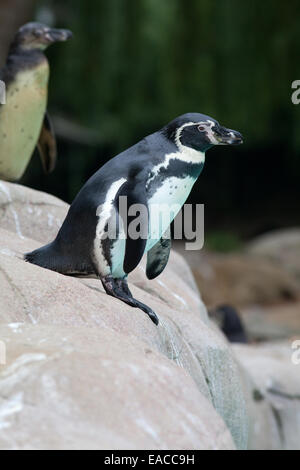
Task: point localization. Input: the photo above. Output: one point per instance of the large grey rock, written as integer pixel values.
(242, 279)
(274, 322)
(84, 388)
(281, 246)
(272, 385)
(30, 213)
(38, 298)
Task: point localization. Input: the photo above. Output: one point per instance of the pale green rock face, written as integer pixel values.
(21, 120)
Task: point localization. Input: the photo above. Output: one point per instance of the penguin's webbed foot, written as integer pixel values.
(119, 289)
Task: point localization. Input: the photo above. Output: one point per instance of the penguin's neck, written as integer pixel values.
(184, 160)
(190, 155)
(21, 61)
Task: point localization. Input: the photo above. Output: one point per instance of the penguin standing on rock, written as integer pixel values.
(159, 170)
(24, 122)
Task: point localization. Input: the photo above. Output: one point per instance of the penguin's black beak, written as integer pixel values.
(226, 136)
(58, 35)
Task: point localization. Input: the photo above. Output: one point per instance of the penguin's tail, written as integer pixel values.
(47, 257)
(53, 258)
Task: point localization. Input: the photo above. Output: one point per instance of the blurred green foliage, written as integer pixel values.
(133, 65)
(222, 241)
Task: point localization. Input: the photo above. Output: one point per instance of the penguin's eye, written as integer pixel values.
(38, 33)
(201, 128)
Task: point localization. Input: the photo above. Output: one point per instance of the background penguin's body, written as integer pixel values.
(161, 169)
(24, 122)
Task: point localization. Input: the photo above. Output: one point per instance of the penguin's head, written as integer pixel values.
(37, 36)
(200, 132)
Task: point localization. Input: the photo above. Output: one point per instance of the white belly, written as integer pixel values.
(163, 208)
(165, 204)
(21, 120)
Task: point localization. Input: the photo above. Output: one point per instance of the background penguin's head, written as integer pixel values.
(200, 132)
(37, 36)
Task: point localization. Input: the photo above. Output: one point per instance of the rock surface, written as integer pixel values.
(241, 279)
(260, 283)
(116, 380)
(272, 385)
(281, 246)
(274, 322)
(30, 213)
(77, 387)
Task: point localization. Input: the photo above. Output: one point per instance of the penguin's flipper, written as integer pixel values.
(158, 256)
(47, 145)
(135, 246)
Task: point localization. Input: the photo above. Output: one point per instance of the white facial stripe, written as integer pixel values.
(208, 123)
(179, 132)
(209, 132)
(211, 137)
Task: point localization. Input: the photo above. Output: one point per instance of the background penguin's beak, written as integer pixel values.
(227, 136)
(58, 35)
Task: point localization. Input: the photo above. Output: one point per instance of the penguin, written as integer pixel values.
(230, 322)
(24, 121)
(158, 171)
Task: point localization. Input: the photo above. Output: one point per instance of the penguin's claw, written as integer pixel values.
(119, 289)
(153, 317)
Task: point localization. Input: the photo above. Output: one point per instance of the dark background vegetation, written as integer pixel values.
(134, 65)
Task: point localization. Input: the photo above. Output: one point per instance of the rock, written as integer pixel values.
(265, 295)
(84, 388)
(34, 295)
(242, 280)
(281, 246)
(30, 213)
(198, 356)
(272, 383)
(274, 322)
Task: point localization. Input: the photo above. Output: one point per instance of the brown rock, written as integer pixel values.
(272, 382)
(30, 294)
(269, 323)
(30, 213)
(39, 300)
(280, 246)
(83, 388)
(243, 279)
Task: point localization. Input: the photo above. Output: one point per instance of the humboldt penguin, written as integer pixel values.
(230, 322)
(158, 171)
(24, 121)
